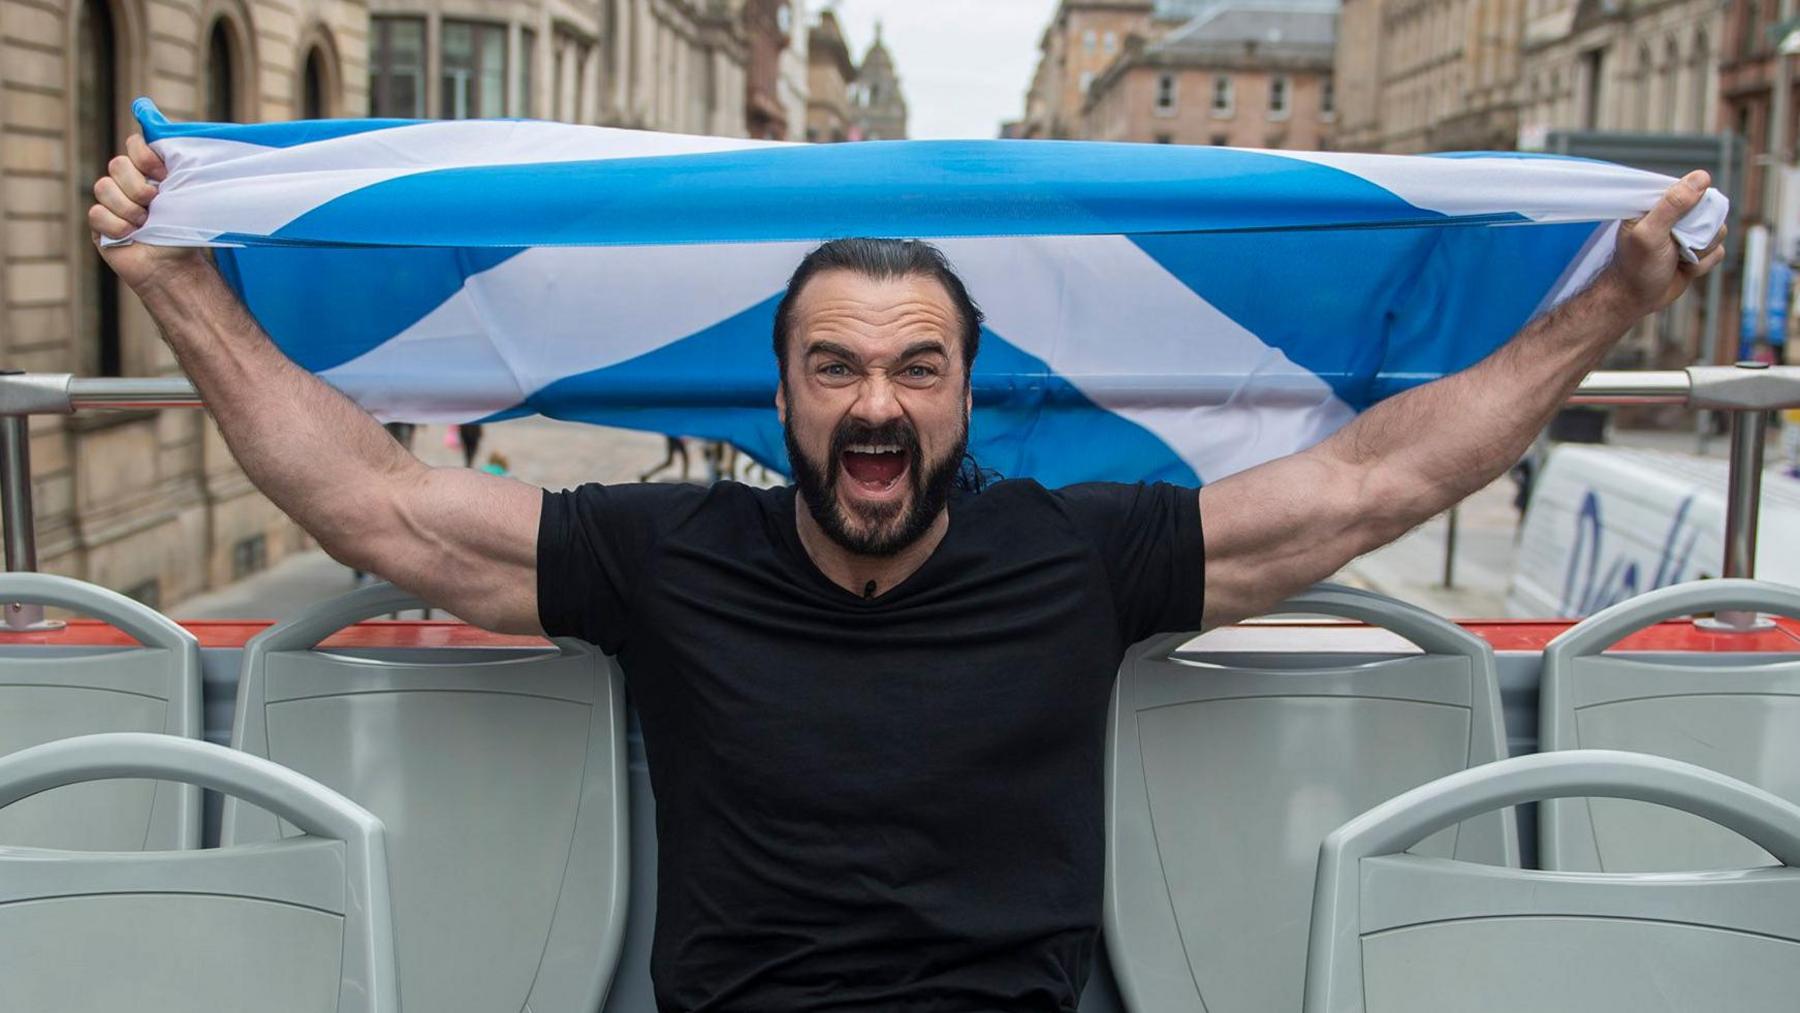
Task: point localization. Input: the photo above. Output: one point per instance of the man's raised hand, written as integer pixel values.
(1647, 267)
(122, 205)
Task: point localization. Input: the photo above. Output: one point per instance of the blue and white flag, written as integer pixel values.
(1153, 311)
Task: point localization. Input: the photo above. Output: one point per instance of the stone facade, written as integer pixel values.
(830, 70)
(148, 503)
(768, 25)
(674, 65)
(1641, 66)
(1644, 67)
(794, 71)
(1241, 74)
(151, 503)
(1083, 38)
(878, 104)
(1429, 75)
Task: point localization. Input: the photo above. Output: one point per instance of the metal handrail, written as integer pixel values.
(1747, 391)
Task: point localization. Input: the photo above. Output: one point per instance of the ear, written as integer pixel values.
(781, 402)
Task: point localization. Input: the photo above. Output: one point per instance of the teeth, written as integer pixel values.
(870, 448)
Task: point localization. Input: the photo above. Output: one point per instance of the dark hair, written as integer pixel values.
(881, 259)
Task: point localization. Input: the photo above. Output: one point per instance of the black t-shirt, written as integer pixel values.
(872, 804)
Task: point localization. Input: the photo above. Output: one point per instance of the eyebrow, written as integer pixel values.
(832, 348)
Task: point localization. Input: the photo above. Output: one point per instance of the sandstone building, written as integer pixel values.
(830, 70)
(1429, 75)
(1245, 73)
(1082, 39)
(150, 502)
(878, 104)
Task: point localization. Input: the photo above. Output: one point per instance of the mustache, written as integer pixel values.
(851, 432)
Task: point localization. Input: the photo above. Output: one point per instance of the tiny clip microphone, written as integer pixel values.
(869, 589)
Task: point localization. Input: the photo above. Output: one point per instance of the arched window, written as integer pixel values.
(97, 109)
(221, 74)
(313, 100)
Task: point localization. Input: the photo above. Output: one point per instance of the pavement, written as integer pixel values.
(544, 452)
(562, 455)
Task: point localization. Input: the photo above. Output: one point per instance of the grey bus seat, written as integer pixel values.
(1400, 933)
(55, 694)
(1738, 714)
(501, 779)
(1223, 778)
(303, 925)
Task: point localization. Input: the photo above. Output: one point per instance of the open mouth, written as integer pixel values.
(875, 468)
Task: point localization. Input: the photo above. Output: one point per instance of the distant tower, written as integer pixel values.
(880, 106)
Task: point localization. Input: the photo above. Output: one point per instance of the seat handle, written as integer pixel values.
(327, 617)
(1433, 633)
(145, 625)
(1610, 625)
(299, 799)
(1771, 822)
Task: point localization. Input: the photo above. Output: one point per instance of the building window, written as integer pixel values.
(527, 70)
(1327, 99)
(251, 555)
(147, 594)
(1593, 65)
(1112, 42)
(221, 74)
(397, 67)
(1702, 76)
(312, 87)
(474, 71)
(1088, 40)
(96, 120)
(1223, 98)
(1087, 81)
(1278, 97)
(1166, 94)
(1220, 140)
(1165, 138)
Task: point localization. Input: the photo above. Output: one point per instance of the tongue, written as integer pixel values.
(874, 469)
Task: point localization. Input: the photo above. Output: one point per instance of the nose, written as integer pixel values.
(875, 401)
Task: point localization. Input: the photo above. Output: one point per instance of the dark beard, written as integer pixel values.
(930, 487)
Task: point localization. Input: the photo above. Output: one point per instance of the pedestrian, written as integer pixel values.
(675, 446)
(874, 702)
(469, 435)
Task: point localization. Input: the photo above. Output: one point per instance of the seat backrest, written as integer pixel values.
(501, 779)
(301, 926)
(1399, 933)
(1222, 779)
(54, 695)
(1738, 714)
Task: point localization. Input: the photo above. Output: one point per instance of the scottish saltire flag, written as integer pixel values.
(1153, 312)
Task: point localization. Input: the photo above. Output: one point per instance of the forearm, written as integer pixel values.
(322, 460)
(1427, 449)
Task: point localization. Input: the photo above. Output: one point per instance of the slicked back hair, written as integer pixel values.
(881, 260)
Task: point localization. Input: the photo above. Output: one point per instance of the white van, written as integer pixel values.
(1607, 523)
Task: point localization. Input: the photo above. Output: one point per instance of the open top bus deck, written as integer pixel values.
(1231, 755)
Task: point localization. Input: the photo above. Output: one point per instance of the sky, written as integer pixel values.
(964, 64)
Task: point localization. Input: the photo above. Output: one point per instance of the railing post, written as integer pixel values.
(15, 503)
(1749, 430)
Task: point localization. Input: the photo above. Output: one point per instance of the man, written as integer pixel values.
(874, 703)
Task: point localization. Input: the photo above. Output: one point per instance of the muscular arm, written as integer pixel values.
(1277, 528)
(461, 539)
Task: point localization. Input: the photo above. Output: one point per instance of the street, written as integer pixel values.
(560, 455)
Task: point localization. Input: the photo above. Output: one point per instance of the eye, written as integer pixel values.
(920, 372)
(835, 369)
